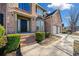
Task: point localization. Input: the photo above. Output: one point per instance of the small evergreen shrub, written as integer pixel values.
(2, 37)
(40, 36)
(47, 34)
(2, 41)
(64, 31)
(69, 31)
(13, 42)
(2, 30)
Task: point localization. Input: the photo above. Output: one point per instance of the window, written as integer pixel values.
(77, 23)
(1, 19)
(40, 25)
(25, 6)
(39, 11)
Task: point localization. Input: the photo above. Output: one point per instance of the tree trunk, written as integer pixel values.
(73, 28)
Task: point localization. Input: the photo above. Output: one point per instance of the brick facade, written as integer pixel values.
(3, 11)
(48, 24)
(11, 10)
(53, 23)
(11, 18)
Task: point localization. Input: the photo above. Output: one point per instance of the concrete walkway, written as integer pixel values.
(64, 47)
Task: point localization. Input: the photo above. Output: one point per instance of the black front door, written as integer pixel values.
(1, 19)
(23, 25)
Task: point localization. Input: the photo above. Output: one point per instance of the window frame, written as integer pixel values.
(24, 9)
(40, 26)
(37, 8)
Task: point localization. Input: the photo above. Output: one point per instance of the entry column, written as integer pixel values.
(33, 24)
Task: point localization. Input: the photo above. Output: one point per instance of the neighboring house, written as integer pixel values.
(28, 18)
(54, 22)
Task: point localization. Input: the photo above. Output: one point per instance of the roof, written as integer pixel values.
(51, 13)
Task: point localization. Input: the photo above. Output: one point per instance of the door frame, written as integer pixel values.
(20, 25)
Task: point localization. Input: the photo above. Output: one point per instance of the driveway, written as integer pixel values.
(64, 47)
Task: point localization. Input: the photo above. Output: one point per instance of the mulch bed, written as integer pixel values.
(50, 40)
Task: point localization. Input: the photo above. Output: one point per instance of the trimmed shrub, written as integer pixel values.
(69, 31)
(64, 31)
(13, 42)
(47, 34)
(40, 36)
(2, 41)
(2, 30)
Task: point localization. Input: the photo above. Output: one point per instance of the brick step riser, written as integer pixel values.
(27, 40)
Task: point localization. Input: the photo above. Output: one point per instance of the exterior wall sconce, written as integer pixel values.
(33, 18)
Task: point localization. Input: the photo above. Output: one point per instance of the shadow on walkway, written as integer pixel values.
(18, 52)
(66, 36)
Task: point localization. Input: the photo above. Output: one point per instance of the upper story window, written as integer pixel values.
(25, 6)
(39, 11)
(1, 19)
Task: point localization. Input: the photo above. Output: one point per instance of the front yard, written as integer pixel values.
(13, 41)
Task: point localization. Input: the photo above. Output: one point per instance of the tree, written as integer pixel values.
(74, 17)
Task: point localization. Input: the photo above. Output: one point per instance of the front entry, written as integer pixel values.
(1, 19)
(23, 25)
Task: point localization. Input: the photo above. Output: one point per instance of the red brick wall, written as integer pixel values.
(48, 24)
(27, 40)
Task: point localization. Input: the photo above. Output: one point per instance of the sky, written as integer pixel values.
(64, 10)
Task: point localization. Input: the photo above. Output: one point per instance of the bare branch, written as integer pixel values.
(74, 17)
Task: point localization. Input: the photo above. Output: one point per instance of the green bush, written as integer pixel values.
(47, 34)
(40, 36)
(2, 30)
(2, 41)
(2, 37)
(64, 32)
(69, 31)
(13, 42)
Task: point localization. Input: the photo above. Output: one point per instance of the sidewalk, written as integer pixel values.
(54, 49)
